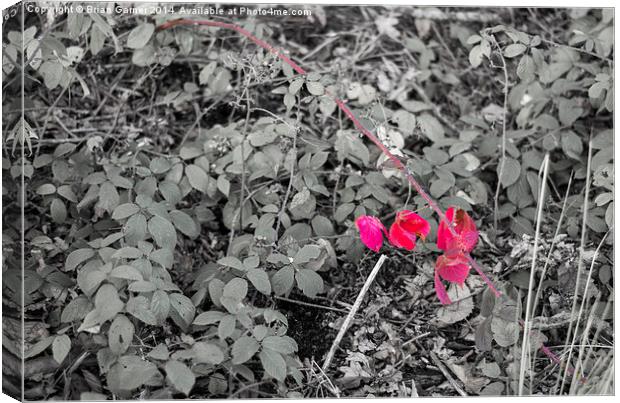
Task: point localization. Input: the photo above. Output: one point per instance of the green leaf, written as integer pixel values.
(273, 363)
(46, 189)
(303, 205)
(39, 347)
(171, 192)
(322, 226)
(309, 282)
(61, 347)
(307, 253)
(163, 232)
(159, 165)
(510, 172)
(182, 310)
(160, 305)
(281, 344)
(76, 310)
(181, 377)
(208, 318)
(431, 127)
(142, 286)
(135, 229)
(206, 72)
(185, 223)
(505, 333)
(131, 372)
(223, 185)
(457, 311)
(190, 152)
(207, 353)
(237, 289)
(350, 146)
(78, 256)
(140, 35)
(243, 349)
(108, 197)
(226, 327)
(107, 302)
(120, 334)
(315, 88)
(231, 261)
(514, 50)
(475, 56)
(126, 272)
(92, 281)
(125, 210)
(283, 280)
(58, 211)
(139, 308)
(52, 72)
(162, 256)
(197, 177)
(483, 335)
(260, 280)
(572, 144)
(526, 68)
(128, 252)
(160, 352)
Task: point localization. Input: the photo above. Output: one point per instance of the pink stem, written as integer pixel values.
(341, 104)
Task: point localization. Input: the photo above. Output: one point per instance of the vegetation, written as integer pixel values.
(190, 194)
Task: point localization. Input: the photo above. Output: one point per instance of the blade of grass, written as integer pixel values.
(579, 367)
(599, 328)
(525, 344)
(579, 265)
(581, 308)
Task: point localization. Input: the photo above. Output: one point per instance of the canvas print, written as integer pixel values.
(212, 200)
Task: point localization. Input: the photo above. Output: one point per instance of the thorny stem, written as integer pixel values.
(341, 104)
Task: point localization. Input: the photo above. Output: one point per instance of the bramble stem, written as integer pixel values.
(341, 104)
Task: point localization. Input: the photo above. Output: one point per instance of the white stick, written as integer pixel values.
(352, 312)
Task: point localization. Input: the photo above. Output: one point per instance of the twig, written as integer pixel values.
(547, 41)
(47, 117)
(294, 301)
(290, 181)
(500, 172)
(353, 311)
(447, 374)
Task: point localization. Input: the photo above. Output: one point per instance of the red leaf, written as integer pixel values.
(407, 226)
(401, 238)
(411, 222)
(466, 233)
(454, 269)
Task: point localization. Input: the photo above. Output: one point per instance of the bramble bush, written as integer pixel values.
(161, 258)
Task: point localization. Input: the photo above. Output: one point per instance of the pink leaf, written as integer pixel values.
(371, 231)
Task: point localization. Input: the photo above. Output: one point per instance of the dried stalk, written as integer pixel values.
(352, 312)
